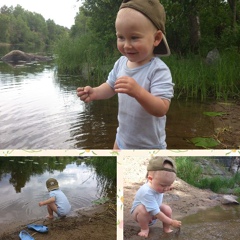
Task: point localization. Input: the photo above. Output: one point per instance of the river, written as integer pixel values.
(39, 109)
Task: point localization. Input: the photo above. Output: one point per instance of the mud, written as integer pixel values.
(95, 223)
(227, 126)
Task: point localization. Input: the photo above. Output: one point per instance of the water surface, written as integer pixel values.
(39, 109)
(23, 184)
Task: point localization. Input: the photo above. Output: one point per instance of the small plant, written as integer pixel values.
(101, 201)
(187, 170)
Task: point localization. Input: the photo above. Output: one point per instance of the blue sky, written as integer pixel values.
(62, 12)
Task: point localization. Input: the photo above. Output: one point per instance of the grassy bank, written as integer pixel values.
(192, 173)
(193, 77)
(80, 57)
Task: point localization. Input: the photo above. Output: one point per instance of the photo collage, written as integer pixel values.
(119, 120)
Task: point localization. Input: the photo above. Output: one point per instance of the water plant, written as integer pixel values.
(205, 142)
(194, 78)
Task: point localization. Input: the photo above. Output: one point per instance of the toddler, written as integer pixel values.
(147, 206)
(141, 79)
(57, 201)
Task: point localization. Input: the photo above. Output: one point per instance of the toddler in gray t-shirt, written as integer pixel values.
(57, 201)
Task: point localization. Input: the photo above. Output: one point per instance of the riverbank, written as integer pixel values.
(98, 222)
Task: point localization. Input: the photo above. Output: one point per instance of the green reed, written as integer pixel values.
(190, 172)
(81, 57)
(194, 78)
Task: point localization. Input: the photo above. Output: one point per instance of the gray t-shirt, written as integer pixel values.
(61, 201)
(148, 197)
(137, 128)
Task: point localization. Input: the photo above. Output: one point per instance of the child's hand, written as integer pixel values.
(176, 223)
(127, 85)
(40, 204)
(84, 93)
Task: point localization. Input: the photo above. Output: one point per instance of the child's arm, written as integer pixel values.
(88, 94)
(46, 202)
(155, 106)
(162, 217)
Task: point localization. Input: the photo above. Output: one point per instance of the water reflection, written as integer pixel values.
(185, 120)
(22, 183)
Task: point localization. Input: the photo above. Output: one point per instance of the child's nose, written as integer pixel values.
(127, 44)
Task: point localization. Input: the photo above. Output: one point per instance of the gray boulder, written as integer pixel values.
(17, 56)
(212, 56)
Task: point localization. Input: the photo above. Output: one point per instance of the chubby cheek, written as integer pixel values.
(120, 47)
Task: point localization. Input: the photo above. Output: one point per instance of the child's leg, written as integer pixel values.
(168, 212)
(52, 207)
(115, 146)
(143, 218)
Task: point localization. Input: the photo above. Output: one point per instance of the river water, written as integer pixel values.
(39, 109)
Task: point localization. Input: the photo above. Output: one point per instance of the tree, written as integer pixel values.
(21, 26)
(102, 15)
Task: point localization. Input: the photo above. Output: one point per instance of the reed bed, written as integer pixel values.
(192, 76)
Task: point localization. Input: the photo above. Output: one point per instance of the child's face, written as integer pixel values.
(136, 36)
(161, 181)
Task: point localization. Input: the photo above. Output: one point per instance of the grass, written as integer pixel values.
(191, 173)
(81, 57)
(193, 77)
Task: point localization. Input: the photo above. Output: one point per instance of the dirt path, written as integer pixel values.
(94, 223)
(184, 199)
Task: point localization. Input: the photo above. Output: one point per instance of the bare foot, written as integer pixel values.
(144, 232)
(167, 230)
(50, 216)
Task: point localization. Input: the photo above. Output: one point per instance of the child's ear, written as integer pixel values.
(149, 178)
(158, 38)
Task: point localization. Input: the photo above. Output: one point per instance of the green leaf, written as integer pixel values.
(101, 200)
(204, 142)
(214, 114)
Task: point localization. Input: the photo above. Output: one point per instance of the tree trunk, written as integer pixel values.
(233, 7)
(195, 32)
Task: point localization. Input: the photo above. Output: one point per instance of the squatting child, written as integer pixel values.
(57, 201)
(141, 79)
(147, 206)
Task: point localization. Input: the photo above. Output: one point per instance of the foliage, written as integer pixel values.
(19, 26)
(190, 172)
(194, 78)
(91, 60)
(102, 14)
(204, 142)
(214, 25)
(214, 114)
(187, 170)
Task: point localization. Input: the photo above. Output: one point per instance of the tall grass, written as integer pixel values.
(81, 56)
(191, 173)
(194, 78)
(188, 171)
